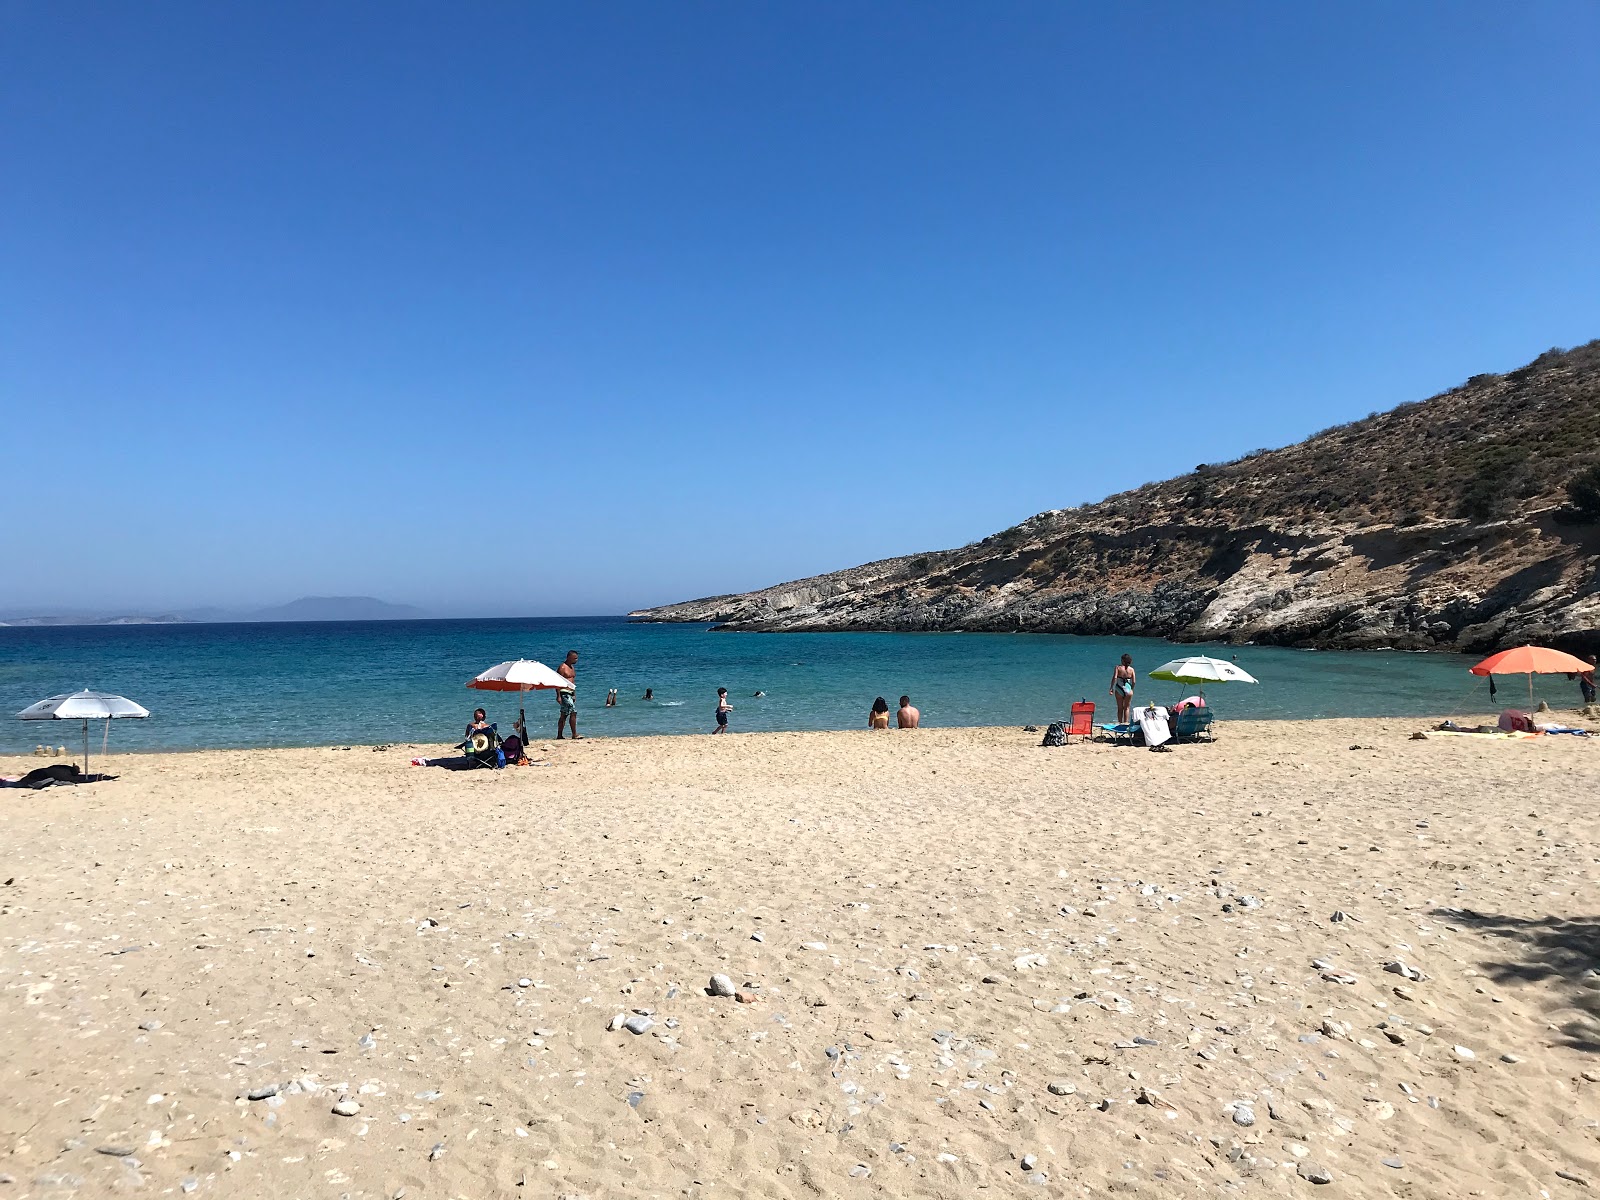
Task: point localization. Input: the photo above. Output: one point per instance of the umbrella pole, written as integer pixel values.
(86, 745)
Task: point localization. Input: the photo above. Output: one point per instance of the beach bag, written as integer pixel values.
(1056, 735)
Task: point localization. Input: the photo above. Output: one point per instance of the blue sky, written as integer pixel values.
(534, 309)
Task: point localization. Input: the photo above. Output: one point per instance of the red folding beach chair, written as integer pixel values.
(1082, 724)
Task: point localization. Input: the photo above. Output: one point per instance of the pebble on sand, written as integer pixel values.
(346, 1108)
(721, 985)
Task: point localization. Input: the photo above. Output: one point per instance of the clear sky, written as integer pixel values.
(519, 308)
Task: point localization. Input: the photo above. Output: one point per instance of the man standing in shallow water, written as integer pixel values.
(567, 697)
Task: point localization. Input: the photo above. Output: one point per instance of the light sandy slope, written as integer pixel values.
(935, 926)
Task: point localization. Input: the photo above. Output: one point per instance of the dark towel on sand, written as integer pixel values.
(43, 777)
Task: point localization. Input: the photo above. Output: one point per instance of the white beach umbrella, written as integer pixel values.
(1202, 670)
(84, 706)
(520, 675)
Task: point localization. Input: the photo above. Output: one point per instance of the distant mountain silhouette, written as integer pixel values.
(307, 608)
(337, 608)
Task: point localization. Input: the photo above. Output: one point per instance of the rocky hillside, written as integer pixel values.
(1445, 523)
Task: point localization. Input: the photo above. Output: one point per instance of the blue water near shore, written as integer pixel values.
(339, 683)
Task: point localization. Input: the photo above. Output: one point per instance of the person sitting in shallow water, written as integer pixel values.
(907, 716)
(878, 718)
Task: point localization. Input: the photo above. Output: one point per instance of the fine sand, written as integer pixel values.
(974, 967)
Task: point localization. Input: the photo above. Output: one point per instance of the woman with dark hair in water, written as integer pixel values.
(878, 718)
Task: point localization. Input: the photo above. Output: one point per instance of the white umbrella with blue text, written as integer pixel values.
(84, 706)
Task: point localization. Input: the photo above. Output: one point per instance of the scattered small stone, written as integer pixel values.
(637, 1024)
(367, 1041)
(524, 982)
(1592, 1076)
(1572, 1178)
(813, 945)
(189, 1185)
(1393, 1162)
(1244, 1115)
(615, 1023)
(1463, 1053)
(435, 1151)
(1144, 1041)
(262, 1093)
(1510, 1058)
(991, 979)
(1029, 1162)
(758, 936)
(346, 1108)
(1405, 970)
(721, 985)
(1312, 1173)
(1338, 915)
(634, 1098)
(429, 1095)
(860, 1171)
(1060, 1087)
(115, 1151)
(149, 1026)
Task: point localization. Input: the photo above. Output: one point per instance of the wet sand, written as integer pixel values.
(971, 964)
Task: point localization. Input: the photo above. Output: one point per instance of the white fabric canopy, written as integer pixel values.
(83, 706)
(522, 675)
(1201, 669)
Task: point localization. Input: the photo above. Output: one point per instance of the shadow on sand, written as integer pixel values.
(1546, 949)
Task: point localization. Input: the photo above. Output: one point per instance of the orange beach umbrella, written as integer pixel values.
(1529, 661)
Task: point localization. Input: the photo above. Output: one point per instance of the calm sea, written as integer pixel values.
(404, 681)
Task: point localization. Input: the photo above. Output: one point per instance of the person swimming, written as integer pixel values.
(649, 693)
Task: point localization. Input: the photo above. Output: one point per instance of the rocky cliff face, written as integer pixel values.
(1439, 525)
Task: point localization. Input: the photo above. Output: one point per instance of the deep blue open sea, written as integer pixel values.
(336, 683)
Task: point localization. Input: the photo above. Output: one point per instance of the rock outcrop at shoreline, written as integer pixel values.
(1442, 524)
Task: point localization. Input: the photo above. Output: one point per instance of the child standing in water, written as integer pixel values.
(723, 709)
(1122, 688)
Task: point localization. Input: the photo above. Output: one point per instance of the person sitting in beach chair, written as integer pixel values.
(482, 745)
(1192, 722)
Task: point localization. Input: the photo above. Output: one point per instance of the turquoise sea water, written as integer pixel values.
(335, 683)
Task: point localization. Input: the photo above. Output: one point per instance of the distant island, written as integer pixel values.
(307, 608)
(1461, 522)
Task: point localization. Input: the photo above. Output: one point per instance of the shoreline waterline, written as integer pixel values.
(256, 686)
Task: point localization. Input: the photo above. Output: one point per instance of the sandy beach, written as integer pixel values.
(965, 964)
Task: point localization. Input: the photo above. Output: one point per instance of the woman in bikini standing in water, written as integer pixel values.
(1122, 688)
